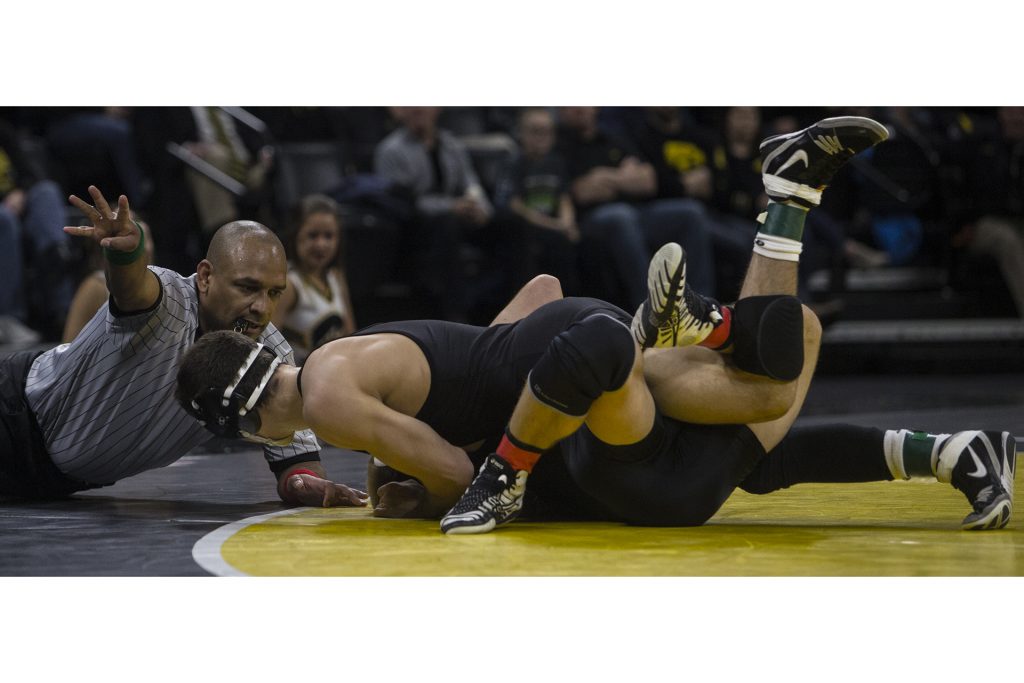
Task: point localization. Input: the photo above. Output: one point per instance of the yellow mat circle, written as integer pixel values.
(880, 529)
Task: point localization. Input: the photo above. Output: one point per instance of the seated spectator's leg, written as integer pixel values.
(10, 264)
(1002, 240)
(615, 231)
(51, 286)
(44, 216)
(686, 222)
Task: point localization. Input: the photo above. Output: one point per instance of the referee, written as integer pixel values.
(101, 408)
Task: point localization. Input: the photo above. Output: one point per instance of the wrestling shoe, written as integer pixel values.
(673, 314)
(796, 167)
(981, 466)
(495, 497)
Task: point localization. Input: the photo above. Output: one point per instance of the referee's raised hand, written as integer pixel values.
(112, 228)
(133, 286)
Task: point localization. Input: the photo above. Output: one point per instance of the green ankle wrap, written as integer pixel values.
(917, 454)
(784, 221)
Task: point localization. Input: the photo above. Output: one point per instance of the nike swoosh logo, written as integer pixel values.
(799, 155)
(980, 471)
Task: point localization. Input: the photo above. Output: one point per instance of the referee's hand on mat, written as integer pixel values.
(305, 489)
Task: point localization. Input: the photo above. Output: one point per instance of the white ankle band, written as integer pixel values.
(778, 248)
(780, 187)
(893, 443)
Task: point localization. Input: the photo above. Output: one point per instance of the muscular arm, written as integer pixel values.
(361, 393)
(402, 442)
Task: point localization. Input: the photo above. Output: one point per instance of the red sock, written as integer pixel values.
(518, 454)
(721, 336)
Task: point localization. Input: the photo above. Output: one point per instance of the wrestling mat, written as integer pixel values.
(877, 529)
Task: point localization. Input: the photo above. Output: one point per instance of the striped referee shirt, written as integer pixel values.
(105, 402)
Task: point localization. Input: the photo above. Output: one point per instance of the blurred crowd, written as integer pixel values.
(455, 208)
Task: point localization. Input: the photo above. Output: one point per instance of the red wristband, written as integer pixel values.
(309, 472)
(282, 485)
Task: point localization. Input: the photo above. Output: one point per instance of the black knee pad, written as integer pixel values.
(591, 357)
(769, 336)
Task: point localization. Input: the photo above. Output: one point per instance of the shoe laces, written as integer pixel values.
(699, 310)
(484, 486)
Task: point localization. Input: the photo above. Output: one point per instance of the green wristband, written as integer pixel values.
(125, 258)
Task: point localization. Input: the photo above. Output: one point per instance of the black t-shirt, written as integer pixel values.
(538, 183)
(674, 153)
(737, 180)
(583, 155)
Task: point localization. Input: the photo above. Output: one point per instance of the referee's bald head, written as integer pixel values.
(240, 236)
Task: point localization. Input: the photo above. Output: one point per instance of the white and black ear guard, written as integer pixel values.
(225, 412)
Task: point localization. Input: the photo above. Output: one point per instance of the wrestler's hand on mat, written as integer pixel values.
(401, 499)
(378, 474)
(316, 492)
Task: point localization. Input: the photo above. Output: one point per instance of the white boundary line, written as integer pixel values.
(206, 551)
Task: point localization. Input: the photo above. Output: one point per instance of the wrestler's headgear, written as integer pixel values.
(228, 412)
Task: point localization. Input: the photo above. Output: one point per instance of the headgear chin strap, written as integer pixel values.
(226, 413)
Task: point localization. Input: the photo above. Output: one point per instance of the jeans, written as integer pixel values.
(41, 228)
(622, 236)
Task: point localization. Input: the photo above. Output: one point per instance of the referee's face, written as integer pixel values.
(242, 292)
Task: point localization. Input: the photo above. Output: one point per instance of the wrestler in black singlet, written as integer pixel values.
(679, 475)
(476, 377)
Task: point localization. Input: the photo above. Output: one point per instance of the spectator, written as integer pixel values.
(611, 187)
(451, 206)
(681, 154)
(533, 197)
(31, 233)
(316, 306)
(996, 178)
